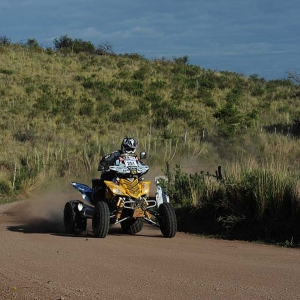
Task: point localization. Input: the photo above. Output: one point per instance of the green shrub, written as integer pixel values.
(103, 109)
(181, 60)
(157, 84)
(228, 120)
(209, 102)
(87, 107)
(141, 73)
(174, 112)
(135, 87)
(76, 45)
(257, 91)
(5, 188)
(183, 188)
(153, 97)
(234, 95)
(7, 72)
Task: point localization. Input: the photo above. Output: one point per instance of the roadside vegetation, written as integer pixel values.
(63, 108)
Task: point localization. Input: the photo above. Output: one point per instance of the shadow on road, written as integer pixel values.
(38, 226)
(45, 226)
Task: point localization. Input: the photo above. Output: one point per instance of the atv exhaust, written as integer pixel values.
(85, 210)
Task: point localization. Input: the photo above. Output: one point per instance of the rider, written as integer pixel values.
(128, 146)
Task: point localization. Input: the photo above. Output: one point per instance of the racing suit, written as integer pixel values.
(98, 184)
(104, 164)
(109, 160)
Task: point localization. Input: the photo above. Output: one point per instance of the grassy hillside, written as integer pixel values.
(61, 111)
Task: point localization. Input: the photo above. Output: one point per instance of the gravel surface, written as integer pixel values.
(39, 261)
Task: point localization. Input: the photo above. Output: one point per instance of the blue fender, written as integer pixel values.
(86, 191)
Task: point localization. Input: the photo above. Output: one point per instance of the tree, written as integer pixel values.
(64, 42)
(181, 60)
(82, 46)
(76, 45)
(294, 76)
(228, 119)
(4, 40)
(104, 49)
(32, 43)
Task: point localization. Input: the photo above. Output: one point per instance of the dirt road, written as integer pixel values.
(38, 261)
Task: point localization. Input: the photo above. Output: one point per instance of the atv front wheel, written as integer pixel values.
(167, 220)
(69, 218)
(73, 222)
(101, 219)
(132, 226)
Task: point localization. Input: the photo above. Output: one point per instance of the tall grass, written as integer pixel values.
(251, 201)
(262, 191)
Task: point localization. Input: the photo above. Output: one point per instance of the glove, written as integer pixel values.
(101, 168)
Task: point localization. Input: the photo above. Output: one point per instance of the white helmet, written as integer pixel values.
(129, 145)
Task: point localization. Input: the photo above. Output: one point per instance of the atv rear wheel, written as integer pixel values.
(101, 219)
(167, 220)
(132, 226)
(73, 222)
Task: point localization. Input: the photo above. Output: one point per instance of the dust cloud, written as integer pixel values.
(150, 176)
(42, 213)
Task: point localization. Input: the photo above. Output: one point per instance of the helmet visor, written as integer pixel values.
(129, 149)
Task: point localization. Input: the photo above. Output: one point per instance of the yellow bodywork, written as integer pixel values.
(125, 187)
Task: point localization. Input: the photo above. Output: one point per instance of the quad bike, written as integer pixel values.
(125, 201)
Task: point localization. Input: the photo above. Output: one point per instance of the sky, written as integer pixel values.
(248, 37)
